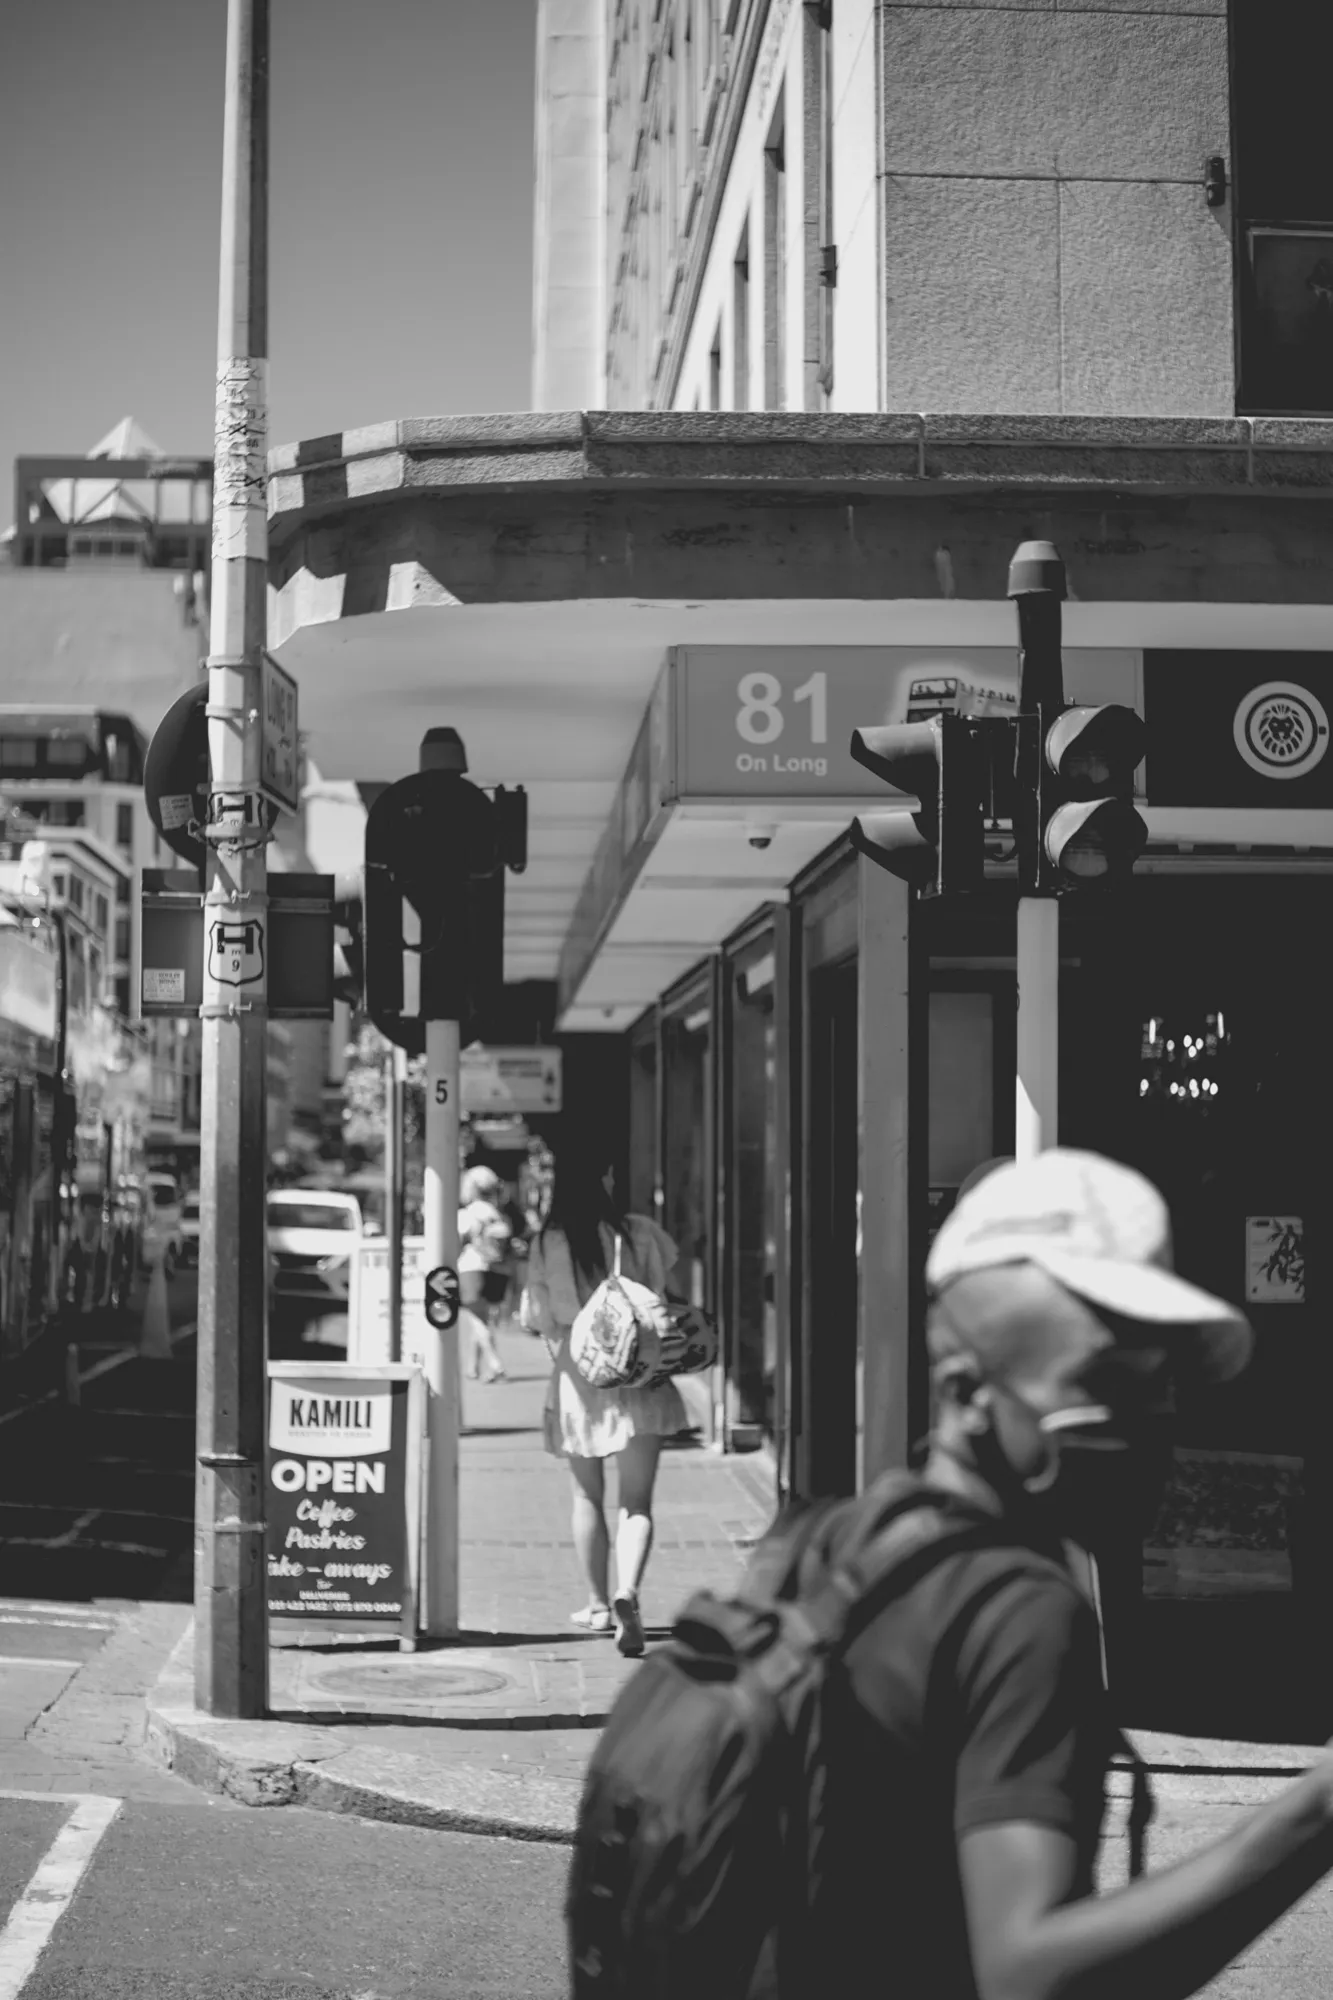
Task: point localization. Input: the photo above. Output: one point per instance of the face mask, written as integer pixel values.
(1101, 1483)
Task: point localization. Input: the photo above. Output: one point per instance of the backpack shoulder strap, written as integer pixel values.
(885, 1557)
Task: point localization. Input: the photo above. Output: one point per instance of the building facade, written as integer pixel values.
(861, 205)
(1062, 229)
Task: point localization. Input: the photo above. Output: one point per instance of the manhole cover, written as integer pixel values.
(417, 1681)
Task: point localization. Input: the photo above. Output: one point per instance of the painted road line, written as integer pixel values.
(120, 1513)
(53, 1607)
(58, 1624)
(99, 1368)
(34, 1660)
(51, 1890)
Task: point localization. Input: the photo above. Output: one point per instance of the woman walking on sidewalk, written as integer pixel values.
(484, 1236)
(568, 1259)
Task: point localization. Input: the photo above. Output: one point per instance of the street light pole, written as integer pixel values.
(231, 1619)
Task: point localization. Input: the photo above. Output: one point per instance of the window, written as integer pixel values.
(821, 257)
(122, 939)
(102, 913)
(715, 370)
(1283, 173)
(125, 826)
(76, 892)
(58, 884)
(18, 754)
(122, 990)
(122, 892)
(775, 260)
(740, 324)
(66, 753)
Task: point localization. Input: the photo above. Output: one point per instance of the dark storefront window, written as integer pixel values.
(687, 1069)
(752, 1165)
(1206, 1006)
(1283, 173)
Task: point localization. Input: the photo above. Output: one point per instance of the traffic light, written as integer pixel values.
(1078, 790)
(944, 763)
(349, 953)
(436, 852)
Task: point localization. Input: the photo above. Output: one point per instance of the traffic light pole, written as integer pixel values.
(395, 1064)
(231, 1618)
(1037, 1099)
(1037, 585)
(440, 1556)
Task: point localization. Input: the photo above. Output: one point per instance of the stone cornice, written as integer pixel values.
(901, 453)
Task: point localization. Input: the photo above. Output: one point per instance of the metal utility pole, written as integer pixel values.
(441, 750)
(231, 1620)
(1037, 585)
(395, 1076)
(440, 1252)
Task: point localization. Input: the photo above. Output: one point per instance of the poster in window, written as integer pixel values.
(1275, 1260)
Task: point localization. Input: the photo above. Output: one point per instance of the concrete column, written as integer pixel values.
(569, 256)
(894, 1024)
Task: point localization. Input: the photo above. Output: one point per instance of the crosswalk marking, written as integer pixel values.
(53, 1885)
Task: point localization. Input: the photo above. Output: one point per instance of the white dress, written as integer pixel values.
(580, 1421)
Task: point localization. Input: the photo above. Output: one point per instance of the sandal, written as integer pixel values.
(629, 1626)
(593, 1618)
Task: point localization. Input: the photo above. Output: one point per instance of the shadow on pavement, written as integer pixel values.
(1242, 1669)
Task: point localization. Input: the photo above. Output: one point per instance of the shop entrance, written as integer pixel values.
(1194, 1046)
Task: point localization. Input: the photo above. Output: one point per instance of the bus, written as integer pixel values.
(37, 1117)
(947, 694)
(65, 743)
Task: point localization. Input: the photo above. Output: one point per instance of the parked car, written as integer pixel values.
(190, 1228)
(162, 1235)
(312, 1233)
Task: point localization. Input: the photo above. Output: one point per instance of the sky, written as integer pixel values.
(400, 216)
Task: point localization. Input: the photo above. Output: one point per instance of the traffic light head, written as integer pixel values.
(1089, 829)
(349, 956)
(940, 847)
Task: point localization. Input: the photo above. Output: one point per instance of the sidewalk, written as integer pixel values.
(493, 1733)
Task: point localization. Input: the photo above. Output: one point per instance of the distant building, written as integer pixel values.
(103, 624)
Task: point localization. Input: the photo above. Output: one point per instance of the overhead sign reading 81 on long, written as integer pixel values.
(777, 721)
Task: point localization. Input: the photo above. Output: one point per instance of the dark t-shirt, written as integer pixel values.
(975, 1699)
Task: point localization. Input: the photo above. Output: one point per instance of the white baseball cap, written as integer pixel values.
(1102, 1231)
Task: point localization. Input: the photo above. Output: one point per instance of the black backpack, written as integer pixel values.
(702, 1846)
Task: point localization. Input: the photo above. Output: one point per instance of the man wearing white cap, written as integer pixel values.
(980, 1733)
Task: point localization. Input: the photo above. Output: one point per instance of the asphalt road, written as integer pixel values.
(210, 1902)
(96, 1502)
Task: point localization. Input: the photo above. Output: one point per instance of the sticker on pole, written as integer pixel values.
(442, 1297)
(236, 952)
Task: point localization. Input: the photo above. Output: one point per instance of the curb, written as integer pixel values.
(304, 1764)
(295, 1764)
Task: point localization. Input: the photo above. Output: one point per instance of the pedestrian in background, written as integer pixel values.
(484, 1237)
(570, 1256)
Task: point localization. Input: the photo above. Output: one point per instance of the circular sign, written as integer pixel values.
(1281, 730)
(442, 1298)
